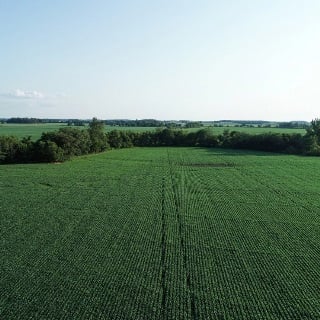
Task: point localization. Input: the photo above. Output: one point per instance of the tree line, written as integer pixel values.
(55, 146)
(24, 120)
(61, 145)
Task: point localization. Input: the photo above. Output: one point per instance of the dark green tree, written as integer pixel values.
(312, 138)
(97, 136)
(48, 151)
(73, 142)
(205, 138)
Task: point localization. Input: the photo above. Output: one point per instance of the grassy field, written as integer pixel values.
(35, 130)
(25, 130)
(253, 130)
(161, 233)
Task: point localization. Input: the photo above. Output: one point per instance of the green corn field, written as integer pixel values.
(161, 233)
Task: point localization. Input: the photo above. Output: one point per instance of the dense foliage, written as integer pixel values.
(67, 142)
(56, 146)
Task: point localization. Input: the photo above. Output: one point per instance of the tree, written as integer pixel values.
(9, 147)
(312, 138)
(48, 151)
(314, 129)
(13, 150)
(205, 138)
(97, 136)
(73, 142)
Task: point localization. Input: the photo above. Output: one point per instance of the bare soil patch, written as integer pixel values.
(211, 165)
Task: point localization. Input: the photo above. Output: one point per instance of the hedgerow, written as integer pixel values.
(65, 143)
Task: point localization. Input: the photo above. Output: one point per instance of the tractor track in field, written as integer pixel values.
(182, 242)
(163, 250)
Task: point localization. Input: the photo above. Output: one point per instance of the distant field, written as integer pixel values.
(139, 129)
(25, 130)
(35, 130)
(161, 233)
(254, 130)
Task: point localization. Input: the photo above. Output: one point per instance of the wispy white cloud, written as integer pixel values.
(28, 94)
(24, 94)
(20, 94)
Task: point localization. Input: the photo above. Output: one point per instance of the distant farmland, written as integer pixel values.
(161, 233)
(35, 130)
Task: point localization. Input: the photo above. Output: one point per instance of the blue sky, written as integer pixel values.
(177, 59)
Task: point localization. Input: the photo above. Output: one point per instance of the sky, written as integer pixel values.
(165, 59)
